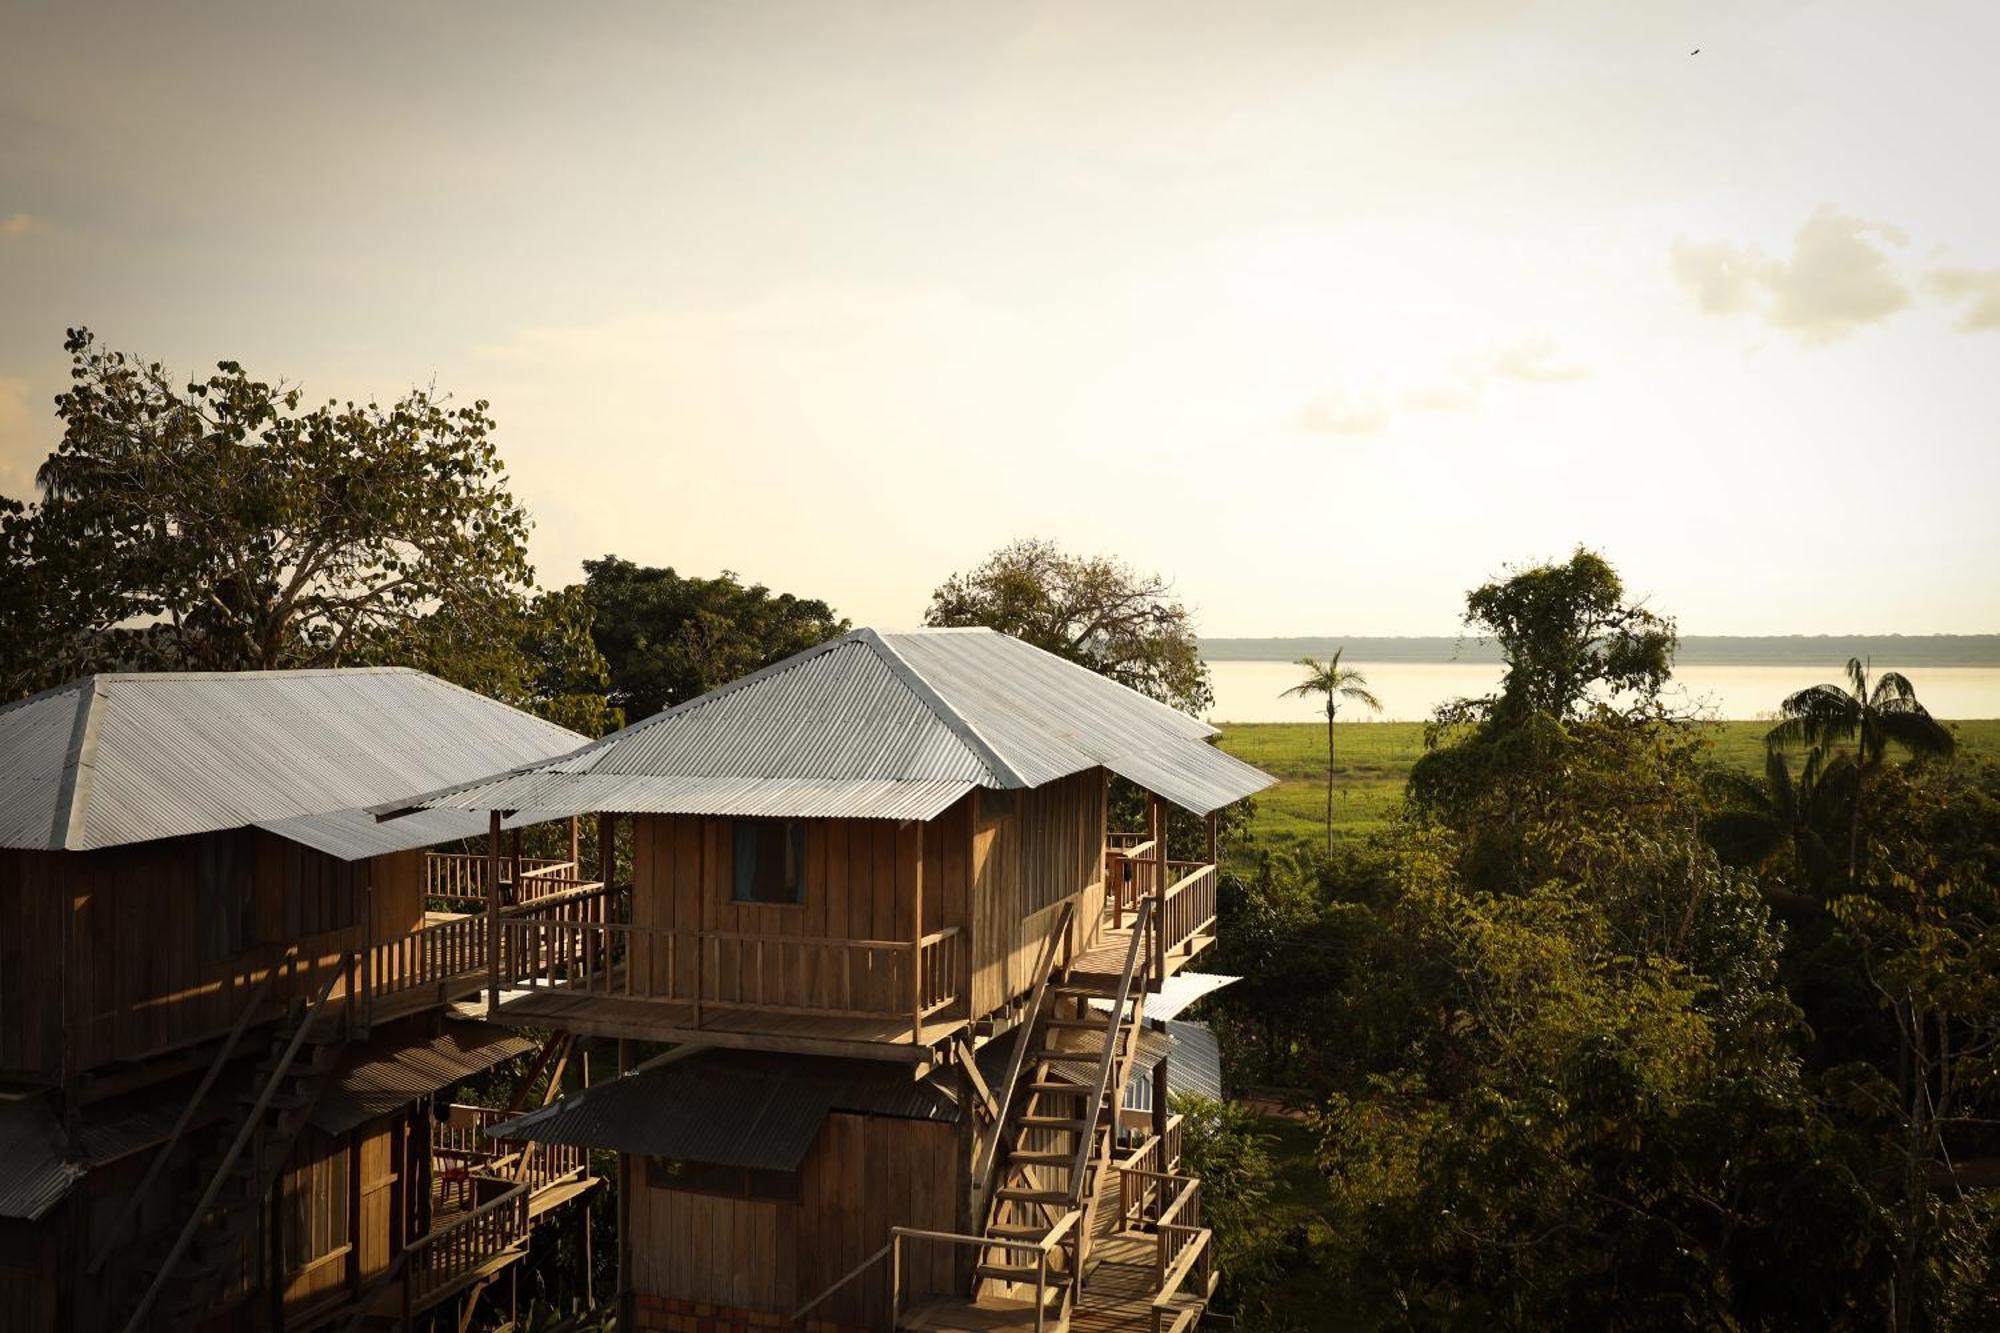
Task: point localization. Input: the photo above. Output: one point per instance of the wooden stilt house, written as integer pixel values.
(887, 963)
(226, 1066)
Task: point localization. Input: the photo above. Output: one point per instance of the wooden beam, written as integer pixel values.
(493, 912)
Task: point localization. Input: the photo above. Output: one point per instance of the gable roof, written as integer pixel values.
(128, 757)
(875, 725)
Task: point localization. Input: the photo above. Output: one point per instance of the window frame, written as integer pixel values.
(751, 834)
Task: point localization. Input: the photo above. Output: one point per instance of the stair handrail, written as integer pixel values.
(1041, 1249)
(852, 1273)
(1134, 952)
(215, 1068)
(1045, 966)
(250, 1123)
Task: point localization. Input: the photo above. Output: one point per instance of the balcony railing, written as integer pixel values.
(1135, 868)
(452, 1252)
(462, 1154)
(1187, 907)
(456, 881)
(792, 974)
(456, 949)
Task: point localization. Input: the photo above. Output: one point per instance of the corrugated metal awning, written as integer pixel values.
(751, 1109)
(383, 1076)
(34, 1173)
(1194, 1066)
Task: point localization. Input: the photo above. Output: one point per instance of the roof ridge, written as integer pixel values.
(79, 765)
(969, 735)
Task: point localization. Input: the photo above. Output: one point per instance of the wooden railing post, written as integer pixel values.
(493, 913)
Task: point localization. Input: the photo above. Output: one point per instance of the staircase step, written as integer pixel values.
(1055, 1122)
(1013, 1231)
(1040, 1158)
(1013, 1195)
(1092, 1024)
(1062, 1089)
(1019, 1273)
(1082, 990)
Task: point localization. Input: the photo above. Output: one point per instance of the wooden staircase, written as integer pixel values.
(202, 1267)
(1053, 1136)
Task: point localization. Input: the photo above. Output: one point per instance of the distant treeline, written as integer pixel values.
(1829, 650)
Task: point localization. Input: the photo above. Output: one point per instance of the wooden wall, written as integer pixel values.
(1030, 851)
(396, 894)
(165, 941)
(996, 864)
(863, 1175)
(863, 881)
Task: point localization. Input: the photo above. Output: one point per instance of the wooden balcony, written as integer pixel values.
(873, 999)
(446, 958)
(1183, 915)
(486, 1199)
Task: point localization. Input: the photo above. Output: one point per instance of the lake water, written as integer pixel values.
(1250, 691)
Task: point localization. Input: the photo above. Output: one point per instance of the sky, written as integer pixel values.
(1325, 311)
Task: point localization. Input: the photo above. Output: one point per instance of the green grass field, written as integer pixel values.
(1373, 759)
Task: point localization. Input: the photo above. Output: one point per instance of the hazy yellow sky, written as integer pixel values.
(1326, 310)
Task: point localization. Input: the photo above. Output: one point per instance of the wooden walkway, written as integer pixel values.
(1117, 1297)
(887, 1037)
(1106, 959)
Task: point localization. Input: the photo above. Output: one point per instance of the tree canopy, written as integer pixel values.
(1091, 610)
(222, 524)
(668, 637)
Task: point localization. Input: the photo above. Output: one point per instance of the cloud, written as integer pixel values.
(1837, 279)
(1536, 360)
(1980, 288)
(20, 224)
(1725, 279)
(1341, 412)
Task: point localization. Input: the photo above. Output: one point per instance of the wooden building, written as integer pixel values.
(899, 959)
(226, 1061)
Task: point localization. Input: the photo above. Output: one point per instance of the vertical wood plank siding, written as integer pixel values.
(863, 1175)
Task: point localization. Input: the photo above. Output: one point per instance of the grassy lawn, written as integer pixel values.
(1374, 759)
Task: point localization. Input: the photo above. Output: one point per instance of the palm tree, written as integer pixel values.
(1873, 718)
(1801, 813)
(1339, 685)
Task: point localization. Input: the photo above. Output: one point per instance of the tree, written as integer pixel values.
(1094, 611)
(1872, 719)
(1569, 638)
(1337, 685)
(221, 525)
(1798, 816)
(670, 637)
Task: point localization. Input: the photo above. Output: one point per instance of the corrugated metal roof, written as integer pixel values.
(122, 758)
(383, 1076)
(891, 726)
(749, 1109)
(1194, 1066)
(1177, 994)
(34, 1176)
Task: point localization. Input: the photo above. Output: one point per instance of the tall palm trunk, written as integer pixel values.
(1329, 779)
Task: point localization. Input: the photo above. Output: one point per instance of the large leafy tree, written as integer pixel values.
(1336, 685)
(669, 637)
(1092, 610)
(223, 524)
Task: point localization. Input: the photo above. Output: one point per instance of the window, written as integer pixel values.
(223, 906)
(770, 861)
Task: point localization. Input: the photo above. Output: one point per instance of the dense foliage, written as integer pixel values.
(668, 637)
(222, 524)
(1571, 1067)
(1091, 610)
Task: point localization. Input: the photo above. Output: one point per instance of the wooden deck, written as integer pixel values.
(1106, 959)
(1117, 1297)
(887, 1037)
